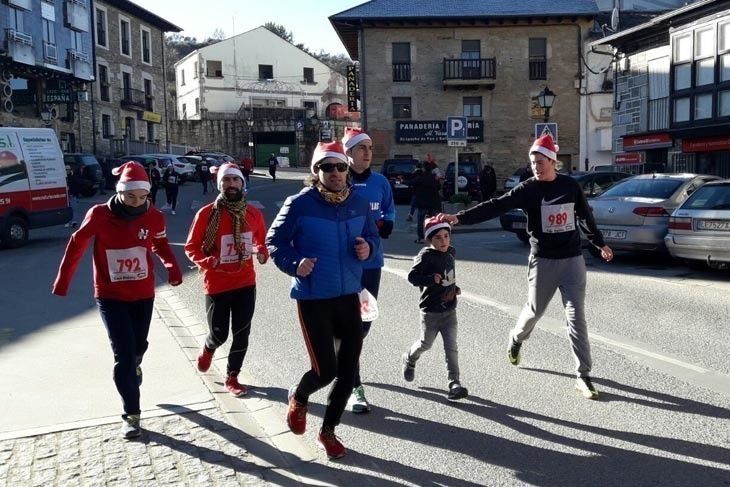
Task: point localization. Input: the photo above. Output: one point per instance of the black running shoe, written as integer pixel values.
(585, 386)
(456, 392)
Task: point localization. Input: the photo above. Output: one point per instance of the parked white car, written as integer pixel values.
(181, 165)
(699, 230)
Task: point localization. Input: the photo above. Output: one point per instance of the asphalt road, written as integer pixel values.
(659, 337)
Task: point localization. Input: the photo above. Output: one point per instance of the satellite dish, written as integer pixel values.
(614, 19)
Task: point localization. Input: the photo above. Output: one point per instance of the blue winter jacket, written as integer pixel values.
(309, 227)
(376, 189)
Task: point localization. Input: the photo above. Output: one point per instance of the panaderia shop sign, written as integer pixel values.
(434, 131)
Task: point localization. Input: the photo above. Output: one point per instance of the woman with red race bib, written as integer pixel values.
(126, 231)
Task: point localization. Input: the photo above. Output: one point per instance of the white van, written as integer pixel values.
(33, 190)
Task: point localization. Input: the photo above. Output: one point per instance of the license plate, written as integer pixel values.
(520, 225)
(614, 234)
(719, 225)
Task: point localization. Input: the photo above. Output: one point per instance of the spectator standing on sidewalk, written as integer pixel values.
(434, 272)
(222, 240)
(273, 164)
(555, 205)
(171, 180)
(375, 188)
(427, 197)
(487, 182)
(126, 231)
(321, 237)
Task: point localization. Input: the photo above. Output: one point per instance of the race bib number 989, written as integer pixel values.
(127, 264)
(558, 218)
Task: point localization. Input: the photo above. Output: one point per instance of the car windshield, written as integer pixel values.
(645, 187)
(400, 168)
(464, 168)
(709, 198)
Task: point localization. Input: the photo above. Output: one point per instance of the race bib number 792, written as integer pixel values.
(127, 264)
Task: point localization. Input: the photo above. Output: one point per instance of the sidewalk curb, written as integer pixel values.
(255, 416)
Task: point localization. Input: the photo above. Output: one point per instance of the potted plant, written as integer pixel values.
(457, 202)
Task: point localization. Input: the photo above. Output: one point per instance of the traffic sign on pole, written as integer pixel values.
(545, 129)
(456, 137)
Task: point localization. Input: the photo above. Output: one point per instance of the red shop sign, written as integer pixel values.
(629, 158)
(706, 144)
(650, 141)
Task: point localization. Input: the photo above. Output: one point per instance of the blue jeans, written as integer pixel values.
(127, 325)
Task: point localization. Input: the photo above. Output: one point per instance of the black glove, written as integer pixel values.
(385, 228)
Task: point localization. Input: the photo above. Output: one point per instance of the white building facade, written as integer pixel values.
(256, 71)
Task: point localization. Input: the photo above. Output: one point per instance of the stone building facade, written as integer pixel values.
(487, 66)
(129, 96)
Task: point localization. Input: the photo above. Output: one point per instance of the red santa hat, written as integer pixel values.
(432, 225)
(545, 146)
(354, 136)
(132, 175)
(227, 169)
(328, 149)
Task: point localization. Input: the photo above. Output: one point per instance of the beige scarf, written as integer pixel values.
(333, 197)
(237, 210)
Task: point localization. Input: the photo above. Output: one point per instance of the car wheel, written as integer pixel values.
(523, 236)
(15, 233)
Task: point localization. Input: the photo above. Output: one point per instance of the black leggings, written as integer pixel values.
(234, 308)
(171, 195)
(127, 325)
(323, 321)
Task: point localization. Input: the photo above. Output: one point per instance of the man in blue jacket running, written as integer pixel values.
(376, 189)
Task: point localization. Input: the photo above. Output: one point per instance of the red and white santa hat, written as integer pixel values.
(227, 169)
(545, 146)
(328, 149)
(432, 225)
(353, 136)
(132, 175)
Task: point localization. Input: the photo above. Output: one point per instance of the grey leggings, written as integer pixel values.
(545, 276)
(431, 325)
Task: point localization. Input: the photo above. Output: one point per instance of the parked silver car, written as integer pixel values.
(634, 214)
(699, 230)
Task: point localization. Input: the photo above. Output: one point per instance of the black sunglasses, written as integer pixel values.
(330, 166)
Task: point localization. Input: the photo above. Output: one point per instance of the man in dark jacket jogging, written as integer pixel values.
(554, 203)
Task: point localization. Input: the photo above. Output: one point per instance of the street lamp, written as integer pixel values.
(250, 122)
(545, 99)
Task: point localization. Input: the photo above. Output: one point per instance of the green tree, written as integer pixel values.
(280, 30)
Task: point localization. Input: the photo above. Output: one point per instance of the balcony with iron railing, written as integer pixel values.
(133, 99)
(459, 72)
(401, 71)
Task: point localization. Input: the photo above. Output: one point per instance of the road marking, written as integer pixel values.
(698, 375)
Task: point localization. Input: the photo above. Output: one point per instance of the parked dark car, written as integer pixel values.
(594, 183)
(469, 170)
(86, 174)
(399, 173)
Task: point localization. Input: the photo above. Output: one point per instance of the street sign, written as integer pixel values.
(547, 128)
(457, 143)
(456, 128)
(300, 125)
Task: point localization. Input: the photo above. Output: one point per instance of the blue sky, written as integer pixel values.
(307, 20)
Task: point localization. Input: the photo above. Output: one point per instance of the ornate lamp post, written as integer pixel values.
(545, 99)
